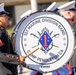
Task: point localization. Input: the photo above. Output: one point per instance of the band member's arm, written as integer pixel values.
(14, 59)
(20, 59)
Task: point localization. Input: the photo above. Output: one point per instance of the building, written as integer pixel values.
(17, 7)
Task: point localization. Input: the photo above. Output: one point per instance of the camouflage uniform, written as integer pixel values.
(6, 47)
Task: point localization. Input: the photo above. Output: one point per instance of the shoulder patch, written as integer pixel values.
(1, 43)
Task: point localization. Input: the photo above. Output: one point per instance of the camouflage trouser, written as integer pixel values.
(12, 74)
(72, 61)
(3, 70)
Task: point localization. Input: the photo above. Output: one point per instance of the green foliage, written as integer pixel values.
(9, 30)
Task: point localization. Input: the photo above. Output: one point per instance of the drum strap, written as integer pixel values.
(36, 73)
(57, 73)
(69, 69)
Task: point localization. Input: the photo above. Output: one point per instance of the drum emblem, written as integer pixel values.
(45, 40)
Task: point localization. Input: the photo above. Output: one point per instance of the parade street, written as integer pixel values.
(27, 72)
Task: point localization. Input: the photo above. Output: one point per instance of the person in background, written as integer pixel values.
(68, 11)
(6, 45)
(20, 69)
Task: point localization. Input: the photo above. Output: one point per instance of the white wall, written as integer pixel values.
(61, 3)
(19, 10)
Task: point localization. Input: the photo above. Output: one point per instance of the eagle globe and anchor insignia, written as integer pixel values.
(48, 31)
(46, 40)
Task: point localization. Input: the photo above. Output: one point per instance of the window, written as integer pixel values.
(43, 6)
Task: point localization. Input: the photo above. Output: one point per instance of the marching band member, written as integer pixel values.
(6, 46)
(68, 11)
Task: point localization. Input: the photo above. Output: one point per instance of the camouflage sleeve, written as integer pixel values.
(2, 40)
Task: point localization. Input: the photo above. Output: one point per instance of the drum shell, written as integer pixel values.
(23, 24)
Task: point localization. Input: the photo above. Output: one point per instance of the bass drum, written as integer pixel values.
(48, 32)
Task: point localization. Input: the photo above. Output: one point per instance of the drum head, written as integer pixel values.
(50, 33)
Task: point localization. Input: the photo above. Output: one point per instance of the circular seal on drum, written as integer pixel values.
(51, 34)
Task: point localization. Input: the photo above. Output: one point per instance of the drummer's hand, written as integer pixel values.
(21, 59)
